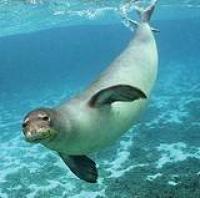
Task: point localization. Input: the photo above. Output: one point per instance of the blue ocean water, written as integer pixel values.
(159, 157)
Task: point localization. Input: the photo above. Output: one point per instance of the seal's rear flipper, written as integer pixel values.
(82, 166)
(145, 15)
(125, 93)
(135, 23)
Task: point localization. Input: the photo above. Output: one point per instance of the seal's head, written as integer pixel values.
(38, 125)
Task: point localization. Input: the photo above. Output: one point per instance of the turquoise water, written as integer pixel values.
(47, 57)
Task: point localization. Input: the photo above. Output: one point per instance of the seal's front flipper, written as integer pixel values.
(125, 93)
(82, 166)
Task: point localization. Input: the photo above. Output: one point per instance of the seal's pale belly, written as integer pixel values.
(100, 128)
(113, 123)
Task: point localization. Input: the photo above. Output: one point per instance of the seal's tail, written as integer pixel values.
(145, 14)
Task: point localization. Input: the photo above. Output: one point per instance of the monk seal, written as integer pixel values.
(110, 106)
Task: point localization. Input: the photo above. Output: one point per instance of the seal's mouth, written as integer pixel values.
(39, 136)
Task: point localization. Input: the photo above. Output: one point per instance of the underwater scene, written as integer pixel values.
(50, 50)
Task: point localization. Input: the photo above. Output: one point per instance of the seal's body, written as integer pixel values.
(106, 110)
(98, 127)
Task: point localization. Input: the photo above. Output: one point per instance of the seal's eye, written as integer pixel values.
(24, 124)
(45, 118)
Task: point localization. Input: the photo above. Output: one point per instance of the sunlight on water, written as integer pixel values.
(22, 16)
